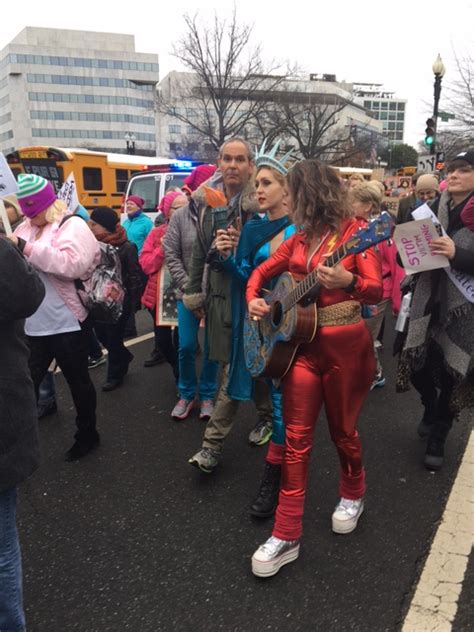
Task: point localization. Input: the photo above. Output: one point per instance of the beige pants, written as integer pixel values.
(225, 411)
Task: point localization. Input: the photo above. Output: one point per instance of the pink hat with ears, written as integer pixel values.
(442, 185)
(167, 200)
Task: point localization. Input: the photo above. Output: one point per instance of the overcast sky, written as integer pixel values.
(394, 43)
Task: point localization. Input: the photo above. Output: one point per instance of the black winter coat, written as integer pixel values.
(21, 293)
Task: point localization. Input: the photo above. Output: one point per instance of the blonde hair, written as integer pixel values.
(56, 211)
(279, 177)
(368, 192)
(357, 176)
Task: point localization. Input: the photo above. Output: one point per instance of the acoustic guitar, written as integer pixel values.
(271, 343)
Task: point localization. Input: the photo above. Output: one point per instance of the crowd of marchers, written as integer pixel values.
(225, 242)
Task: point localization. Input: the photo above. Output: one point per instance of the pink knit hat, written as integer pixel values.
(167, 201)
(139, 201)
(35, 194)
(198, 175)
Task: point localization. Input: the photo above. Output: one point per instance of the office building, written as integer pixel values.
(70, 88)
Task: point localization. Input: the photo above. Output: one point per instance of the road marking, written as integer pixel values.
(435, 601)
(135, 341)
(128, 343)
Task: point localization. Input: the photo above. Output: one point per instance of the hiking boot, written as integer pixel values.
(183, 408)
(205, 460)
(93, 362)
(82, 447)
(378, 382)
(266, 502)
(156, 357)
(346, 515)
(207, 408)
(262, 433)
(273, 554)
(434, 456)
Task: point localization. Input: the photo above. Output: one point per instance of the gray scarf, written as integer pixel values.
(451, 332)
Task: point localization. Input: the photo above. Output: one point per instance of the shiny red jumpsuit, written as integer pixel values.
(336, 370)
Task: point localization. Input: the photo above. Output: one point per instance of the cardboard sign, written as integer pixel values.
(464, 282)
(4, 219)
(68, 193)
(413, 244)
(8, 183)
(166, 306)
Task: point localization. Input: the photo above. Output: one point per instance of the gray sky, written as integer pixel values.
(394, 43)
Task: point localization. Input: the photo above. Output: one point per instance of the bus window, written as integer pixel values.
(174, 181)
(92, 177)
(147, 187)
(121, 178)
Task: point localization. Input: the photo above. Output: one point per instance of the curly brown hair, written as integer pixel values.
(319, 199)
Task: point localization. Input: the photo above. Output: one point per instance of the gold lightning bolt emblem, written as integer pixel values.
(331, 244)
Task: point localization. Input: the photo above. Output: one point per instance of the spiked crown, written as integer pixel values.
(268, 158)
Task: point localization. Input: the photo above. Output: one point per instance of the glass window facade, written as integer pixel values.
(100, 117)
(89, 98)
(79, 62)
(105, 82)
(91, 133)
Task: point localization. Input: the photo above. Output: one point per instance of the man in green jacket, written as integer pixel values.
(212, 296)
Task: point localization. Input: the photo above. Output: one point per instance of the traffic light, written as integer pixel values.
(429, 132)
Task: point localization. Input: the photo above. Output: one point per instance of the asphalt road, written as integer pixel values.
(133, 538)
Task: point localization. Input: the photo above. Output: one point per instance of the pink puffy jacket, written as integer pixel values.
(64, 252)
(152, 258)
(392, 274)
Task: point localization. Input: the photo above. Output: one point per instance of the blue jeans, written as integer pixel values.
(188, 327)
(12, 617)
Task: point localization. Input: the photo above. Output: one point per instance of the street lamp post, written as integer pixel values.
(130, 140)
(438, 70)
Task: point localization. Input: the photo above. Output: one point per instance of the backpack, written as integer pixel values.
(102, 294)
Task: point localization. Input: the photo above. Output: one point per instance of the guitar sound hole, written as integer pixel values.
(277, 314)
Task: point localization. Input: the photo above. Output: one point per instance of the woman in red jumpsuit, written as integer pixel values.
(336, 369)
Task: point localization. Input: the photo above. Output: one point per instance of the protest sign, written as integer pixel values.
(464, 282)
(166, 305)
(68, 193)
(413, 244)
(8, 186)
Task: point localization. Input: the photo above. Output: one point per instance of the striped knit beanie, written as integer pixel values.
(35, 194)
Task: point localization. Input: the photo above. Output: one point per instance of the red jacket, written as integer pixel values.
(152, 258)
(292, 256)
(392, 274)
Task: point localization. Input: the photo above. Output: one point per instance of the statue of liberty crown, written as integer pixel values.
(269, 159)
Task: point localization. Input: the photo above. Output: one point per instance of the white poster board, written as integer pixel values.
(68, 193)
(8, 186)
(464, 282)
(413, 244)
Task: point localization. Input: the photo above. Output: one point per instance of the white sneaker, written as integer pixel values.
(346, 515)
(272, 555)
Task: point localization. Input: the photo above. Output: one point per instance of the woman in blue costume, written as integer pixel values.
(259, 239)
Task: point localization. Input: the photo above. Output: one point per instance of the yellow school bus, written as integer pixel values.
(101, 178)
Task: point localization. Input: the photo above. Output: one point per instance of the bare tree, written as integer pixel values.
(229, 83)
(460, 101)
(461, 95)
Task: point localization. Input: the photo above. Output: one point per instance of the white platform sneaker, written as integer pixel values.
(272, 555)
(346, 515)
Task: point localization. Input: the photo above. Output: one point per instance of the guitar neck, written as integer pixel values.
(310, 281)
